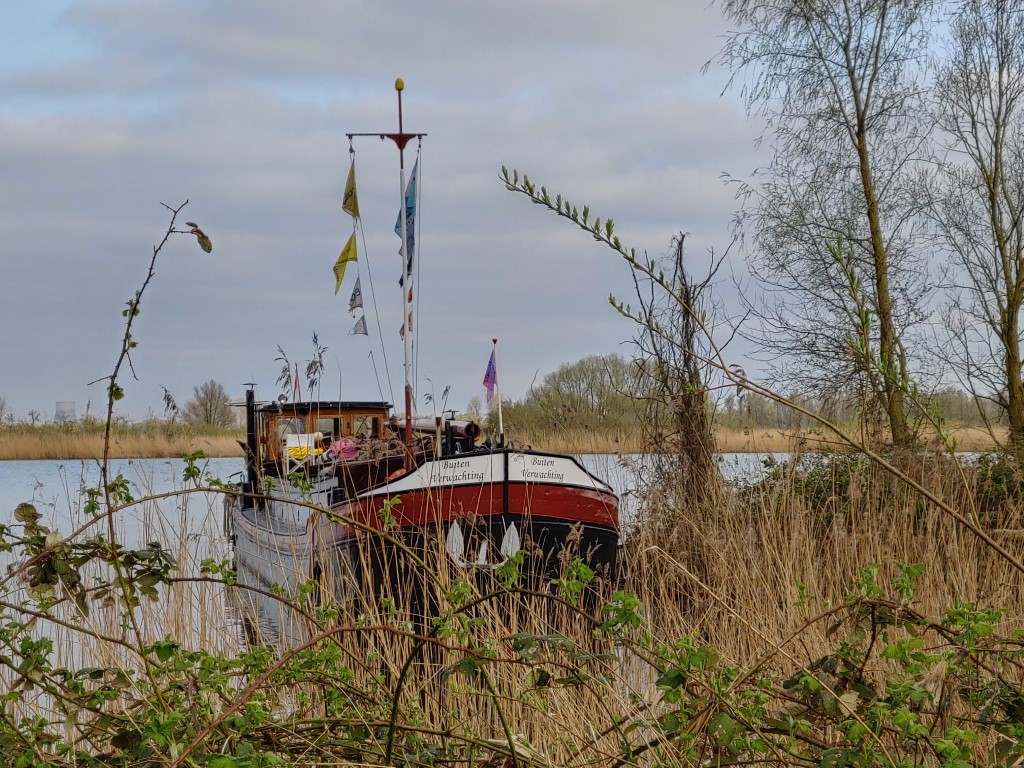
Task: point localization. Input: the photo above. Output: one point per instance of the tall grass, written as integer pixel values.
(750, 610)
(749, 569)
(157, 439)
(727, 440)
(151, 439)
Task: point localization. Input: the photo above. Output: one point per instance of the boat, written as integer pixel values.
(350, 504)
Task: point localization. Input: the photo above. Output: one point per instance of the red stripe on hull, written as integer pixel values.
(435, 505)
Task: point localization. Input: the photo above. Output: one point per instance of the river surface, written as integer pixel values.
(57, 489)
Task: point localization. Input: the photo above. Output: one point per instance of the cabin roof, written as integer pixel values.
(310, 406)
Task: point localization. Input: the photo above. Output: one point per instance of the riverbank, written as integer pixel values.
(753, 440)
(63, 443)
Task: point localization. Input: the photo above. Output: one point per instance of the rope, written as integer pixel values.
(358, 223)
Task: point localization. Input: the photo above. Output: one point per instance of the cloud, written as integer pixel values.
(242, 109)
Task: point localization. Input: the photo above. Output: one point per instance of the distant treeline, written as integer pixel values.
(603, 395)
(600, 398)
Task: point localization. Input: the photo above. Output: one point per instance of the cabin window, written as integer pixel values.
(366, 426)
(294, 426)
(327, 426)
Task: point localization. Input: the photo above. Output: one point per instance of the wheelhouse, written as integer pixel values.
(327, 420)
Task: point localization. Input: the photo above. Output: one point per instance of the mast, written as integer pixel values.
(401, 139)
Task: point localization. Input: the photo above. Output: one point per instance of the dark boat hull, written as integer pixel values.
(464, 517)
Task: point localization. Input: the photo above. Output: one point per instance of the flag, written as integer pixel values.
(406, 324)
(410, 222)
(356, 300)
(350, 202)
(360, 327)
(491, 377)
(348, 253)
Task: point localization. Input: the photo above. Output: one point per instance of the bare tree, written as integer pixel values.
(209, 407)
(979, 205)
(834, 215)
(675, 359)
(676, 349)
(474, 408)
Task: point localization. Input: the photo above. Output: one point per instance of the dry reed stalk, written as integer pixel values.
(71, 445)
(578, 441)
(58, 444)
(734, 571)
(728, 573)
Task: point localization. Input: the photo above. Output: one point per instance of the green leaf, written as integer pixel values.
(722, 729)
(26, 513)
(468, 666)
(164, 649)
(671, 678)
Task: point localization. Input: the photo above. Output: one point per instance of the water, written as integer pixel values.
(57, 487)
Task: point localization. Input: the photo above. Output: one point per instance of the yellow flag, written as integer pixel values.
(350, 203)
(348, 253)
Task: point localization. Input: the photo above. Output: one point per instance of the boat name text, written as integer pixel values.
(457, 471)
(545, 474)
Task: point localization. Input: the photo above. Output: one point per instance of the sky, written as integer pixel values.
(111, 108)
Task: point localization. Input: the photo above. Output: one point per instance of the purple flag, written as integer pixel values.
(491, 377)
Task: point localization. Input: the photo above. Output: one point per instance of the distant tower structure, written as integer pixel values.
(64, 413)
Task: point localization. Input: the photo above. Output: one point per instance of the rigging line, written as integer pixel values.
(376, 314)
(376, 375)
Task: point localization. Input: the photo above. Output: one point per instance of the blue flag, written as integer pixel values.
(410, 222)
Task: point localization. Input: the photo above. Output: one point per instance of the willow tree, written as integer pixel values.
(833, 216)
(980, 202)
(209, 406)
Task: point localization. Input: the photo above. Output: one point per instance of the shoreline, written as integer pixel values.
(69, 445)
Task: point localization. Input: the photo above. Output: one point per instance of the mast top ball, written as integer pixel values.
(399, 84)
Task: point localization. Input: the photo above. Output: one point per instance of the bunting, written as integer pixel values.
(348, 254)
(356, 300)
(350, 202)
(359, 329)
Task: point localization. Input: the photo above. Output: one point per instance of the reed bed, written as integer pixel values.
(740, 567)
(719, 609)
(751, 439)
(155, 441)
(71, 444)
